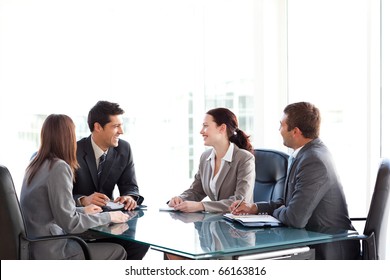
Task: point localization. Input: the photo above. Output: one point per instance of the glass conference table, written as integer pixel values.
(210, 236)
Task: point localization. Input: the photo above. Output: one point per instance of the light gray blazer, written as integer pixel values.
(236, 178)
(49, 209)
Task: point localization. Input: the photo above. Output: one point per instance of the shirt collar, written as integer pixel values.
(296, 151)
(227, 157)
(96, 149)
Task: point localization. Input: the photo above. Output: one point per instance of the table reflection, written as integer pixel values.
(216, 234)
(207, 235)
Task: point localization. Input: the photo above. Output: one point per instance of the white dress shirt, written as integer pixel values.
(227, 157)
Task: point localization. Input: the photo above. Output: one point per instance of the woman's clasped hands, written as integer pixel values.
(185, 205)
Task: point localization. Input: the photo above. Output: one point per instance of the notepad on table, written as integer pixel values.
(254, 220)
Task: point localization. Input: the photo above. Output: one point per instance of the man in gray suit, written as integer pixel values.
(314, 197)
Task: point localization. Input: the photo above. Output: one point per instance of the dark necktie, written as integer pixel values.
(102, 160)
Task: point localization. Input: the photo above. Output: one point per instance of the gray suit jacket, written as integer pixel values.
(314, 198)
(236, 178)
(49, 209)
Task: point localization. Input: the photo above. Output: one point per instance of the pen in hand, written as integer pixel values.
(238, 205)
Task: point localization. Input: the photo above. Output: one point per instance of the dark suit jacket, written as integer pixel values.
(314, 198)
(118, 170)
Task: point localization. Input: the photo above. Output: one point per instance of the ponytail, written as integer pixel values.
(240, 138)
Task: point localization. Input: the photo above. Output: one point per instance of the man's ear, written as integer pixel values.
(97, 127)
(297, 131)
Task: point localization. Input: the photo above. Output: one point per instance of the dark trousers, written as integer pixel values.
(134, 250)
(339, 250)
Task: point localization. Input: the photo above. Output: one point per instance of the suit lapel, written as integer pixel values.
(89, 158)
(224, 171)
(207, 175)
(288, 188)
(289, 169)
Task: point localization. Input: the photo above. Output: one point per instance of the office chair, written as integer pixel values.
(374, 234)
(14, 241)
(271, 169)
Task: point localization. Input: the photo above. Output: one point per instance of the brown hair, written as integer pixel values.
(58, 141)
(235, 135)
(304, 116)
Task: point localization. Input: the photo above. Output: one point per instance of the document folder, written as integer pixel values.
(254, 220)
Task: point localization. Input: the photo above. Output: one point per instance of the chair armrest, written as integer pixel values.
(80, 241)
(369, 251)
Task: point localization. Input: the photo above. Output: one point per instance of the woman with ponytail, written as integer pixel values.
(226, 171)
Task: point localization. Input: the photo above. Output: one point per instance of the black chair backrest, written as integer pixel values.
(271, 169)
(378, 213)
(11, 220)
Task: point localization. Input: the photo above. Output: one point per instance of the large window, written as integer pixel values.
(165, 62)
(335, 64)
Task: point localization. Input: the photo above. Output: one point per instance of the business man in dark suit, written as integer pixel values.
(314, 197)
(105, 162)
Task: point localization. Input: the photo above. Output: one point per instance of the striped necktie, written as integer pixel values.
(102, 160)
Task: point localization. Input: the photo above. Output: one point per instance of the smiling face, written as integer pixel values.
(108, 136)
(211, 132)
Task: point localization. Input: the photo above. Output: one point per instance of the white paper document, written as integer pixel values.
(166, 208)
(111, 206)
